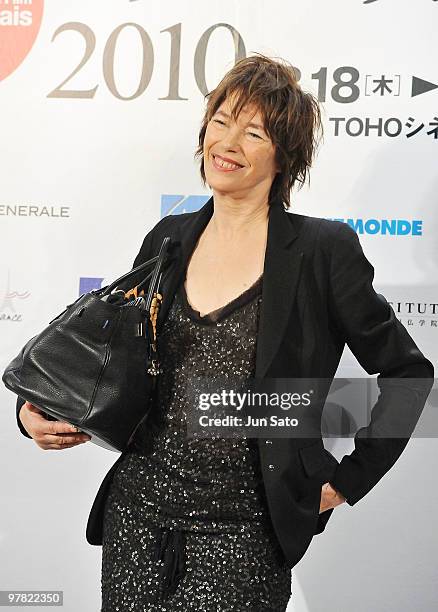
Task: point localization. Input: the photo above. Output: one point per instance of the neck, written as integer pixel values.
(236, 217)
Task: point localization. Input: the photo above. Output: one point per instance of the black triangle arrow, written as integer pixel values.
(420, 86)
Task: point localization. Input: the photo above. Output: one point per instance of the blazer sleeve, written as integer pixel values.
(381, 344)
(20, 402)
(146, 252)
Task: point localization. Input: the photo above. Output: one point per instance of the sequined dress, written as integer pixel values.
(186, 524)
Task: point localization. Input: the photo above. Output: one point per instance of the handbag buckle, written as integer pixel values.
(154, 369)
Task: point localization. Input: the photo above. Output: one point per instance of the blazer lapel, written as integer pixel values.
(280, 279)
(280, 275)
(185, 238)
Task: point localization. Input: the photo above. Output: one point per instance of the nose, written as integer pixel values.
(231, 139)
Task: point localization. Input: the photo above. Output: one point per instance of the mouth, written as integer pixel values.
(224, 166)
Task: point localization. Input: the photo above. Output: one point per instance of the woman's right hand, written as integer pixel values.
(49, 435)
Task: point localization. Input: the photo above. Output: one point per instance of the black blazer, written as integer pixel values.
(317, 296)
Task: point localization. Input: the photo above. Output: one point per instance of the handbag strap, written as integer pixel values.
(157, 271)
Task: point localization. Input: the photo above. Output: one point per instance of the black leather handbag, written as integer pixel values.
(95, 365)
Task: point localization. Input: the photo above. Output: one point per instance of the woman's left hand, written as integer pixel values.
(330, 498)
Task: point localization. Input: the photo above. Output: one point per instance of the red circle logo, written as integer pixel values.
(20, 21)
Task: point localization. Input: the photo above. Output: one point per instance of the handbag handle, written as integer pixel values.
(157, 259)
(156, 276)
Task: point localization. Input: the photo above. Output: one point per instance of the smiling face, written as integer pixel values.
(239, 156)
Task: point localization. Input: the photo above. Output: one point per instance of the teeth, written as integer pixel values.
(225, 164)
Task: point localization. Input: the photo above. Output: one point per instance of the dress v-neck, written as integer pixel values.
(223, 311)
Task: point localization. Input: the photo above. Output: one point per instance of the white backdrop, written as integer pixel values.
(100, 106)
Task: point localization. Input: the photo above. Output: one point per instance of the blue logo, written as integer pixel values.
(179, 204)
(88, 283)
(391, 227)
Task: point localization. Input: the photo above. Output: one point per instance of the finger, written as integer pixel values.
(63, 439)
(61, 446)
(53, 428)
(36, 413)
(32, 408)
(58, 427)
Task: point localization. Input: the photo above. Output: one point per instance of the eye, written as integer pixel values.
(219, 121)
(254, 134)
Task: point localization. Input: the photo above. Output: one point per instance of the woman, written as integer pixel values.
(217, 524)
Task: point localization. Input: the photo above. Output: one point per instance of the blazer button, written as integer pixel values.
(268, 441)
(271, 467)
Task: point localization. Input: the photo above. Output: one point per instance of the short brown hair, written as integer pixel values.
(292, 118)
